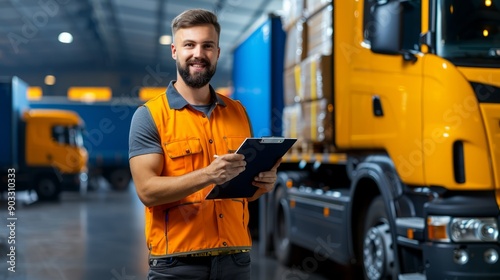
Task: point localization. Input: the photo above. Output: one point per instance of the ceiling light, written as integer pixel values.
(165, 40)
(65, 37)
(50, 80)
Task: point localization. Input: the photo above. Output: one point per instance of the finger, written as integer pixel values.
(277, 164)
(228, 161)
(266, 174)
(237, 164)
(265, 179)
(232, 157)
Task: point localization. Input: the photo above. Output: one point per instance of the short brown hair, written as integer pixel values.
(195, 17)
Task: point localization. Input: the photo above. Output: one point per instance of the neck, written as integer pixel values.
(194, 96)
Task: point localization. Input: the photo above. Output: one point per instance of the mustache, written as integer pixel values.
(198, 60)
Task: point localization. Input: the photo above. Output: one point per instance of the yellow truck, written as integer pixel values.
(41, 150)
(396, 107)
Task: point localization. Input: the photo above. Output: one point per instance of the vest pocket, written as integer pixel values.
(180, 148)
(181, 154)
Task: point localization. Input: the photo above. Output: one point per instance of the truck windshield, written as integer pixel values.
(468, 32)
(68, 135)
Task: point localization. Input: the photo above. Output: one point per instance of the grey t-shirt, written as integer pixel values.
(143, 137)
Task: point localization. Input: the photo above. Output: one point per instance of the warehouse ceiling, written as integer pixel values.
(110, 34)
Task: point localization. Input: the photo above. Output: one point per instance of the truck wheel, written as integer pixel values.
(378, 253)
(286, 252)
(47, 188)
(119, 179)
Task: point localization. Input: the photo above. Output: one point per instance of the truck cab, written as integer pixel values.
(42, 149)
(54, 142)
(396, 107)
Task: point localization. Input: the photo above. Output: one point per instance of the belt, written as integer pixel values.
(216, 253)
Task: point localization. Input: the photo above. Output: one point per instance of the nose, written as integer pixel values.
(197, 51)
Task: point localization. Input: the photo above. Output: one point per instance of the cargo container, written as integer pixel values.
(396, 107)
(40, 150)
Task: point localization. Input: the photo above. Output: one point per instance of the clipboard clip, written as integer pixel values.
(272, 140)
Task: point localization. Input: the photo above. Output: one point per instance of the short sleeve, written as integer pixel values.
(143, 136)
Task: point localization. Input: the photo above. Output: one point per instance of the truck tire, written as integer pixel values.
(377, 243)
(47, 188)
(119, 179)
(285, 251)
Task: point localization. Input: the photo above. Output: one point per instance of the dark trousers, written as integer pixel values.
(233, 266)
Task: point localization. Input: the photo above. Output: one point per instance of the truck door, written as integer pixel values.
(395, 101)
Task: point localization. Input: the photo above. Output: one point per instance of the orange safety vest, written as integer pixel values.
(189, 141)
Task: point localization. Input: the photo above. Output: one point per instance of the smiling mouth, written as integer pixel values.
(197, 66)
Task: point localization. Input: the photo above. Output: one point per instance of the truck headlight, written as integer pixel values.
(473, 229)
(444, 229)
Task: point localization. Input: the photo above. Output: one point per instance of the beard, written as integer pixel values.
(198, 79)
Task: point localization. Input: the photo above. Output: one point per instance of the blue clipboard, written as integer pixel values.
(260, 154)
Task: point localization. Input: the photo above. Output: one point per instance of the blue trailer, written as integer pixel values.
(13, 104)
(105, 137)
(258, 75)
(258, 84)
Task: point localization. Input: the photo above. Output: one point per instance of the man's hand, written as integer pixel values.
(225, 167)
(265, 181)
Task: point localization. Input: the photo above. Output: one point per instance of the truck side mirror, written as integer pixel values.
(386, 38)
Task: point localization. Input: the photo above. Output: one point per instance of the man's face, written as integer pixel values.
(196, 52)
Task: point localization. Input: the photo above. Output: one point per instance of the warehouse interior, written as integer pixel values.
(390, 110)
(113, 43)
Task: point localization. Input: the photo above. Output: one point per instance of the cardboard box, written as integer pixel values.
(295, 44)
(292, 11)
(317, 121)
(319, 31)
(316, 78)
(312, 6)
(292, 85)
(292, 121)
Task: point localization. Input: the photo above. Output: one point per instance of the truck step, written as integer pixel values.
(412, 276)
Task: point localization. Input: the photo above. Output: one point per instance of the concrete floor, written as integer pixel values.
(98, 236)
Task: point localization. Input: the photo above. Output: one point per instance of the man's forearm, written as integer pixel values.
(161, 189)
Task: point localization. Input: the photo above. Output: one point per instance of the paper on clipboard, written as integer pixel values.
(260, 154)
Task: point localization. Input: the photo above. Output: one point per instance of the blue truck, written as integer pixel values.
(40, 150)
(105, 135)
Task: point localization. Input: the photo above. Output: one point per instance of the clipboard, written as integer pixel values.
(260, 154)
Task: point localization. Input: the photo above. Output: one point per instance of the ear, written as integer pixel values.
(218, 53)
(174, 51)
